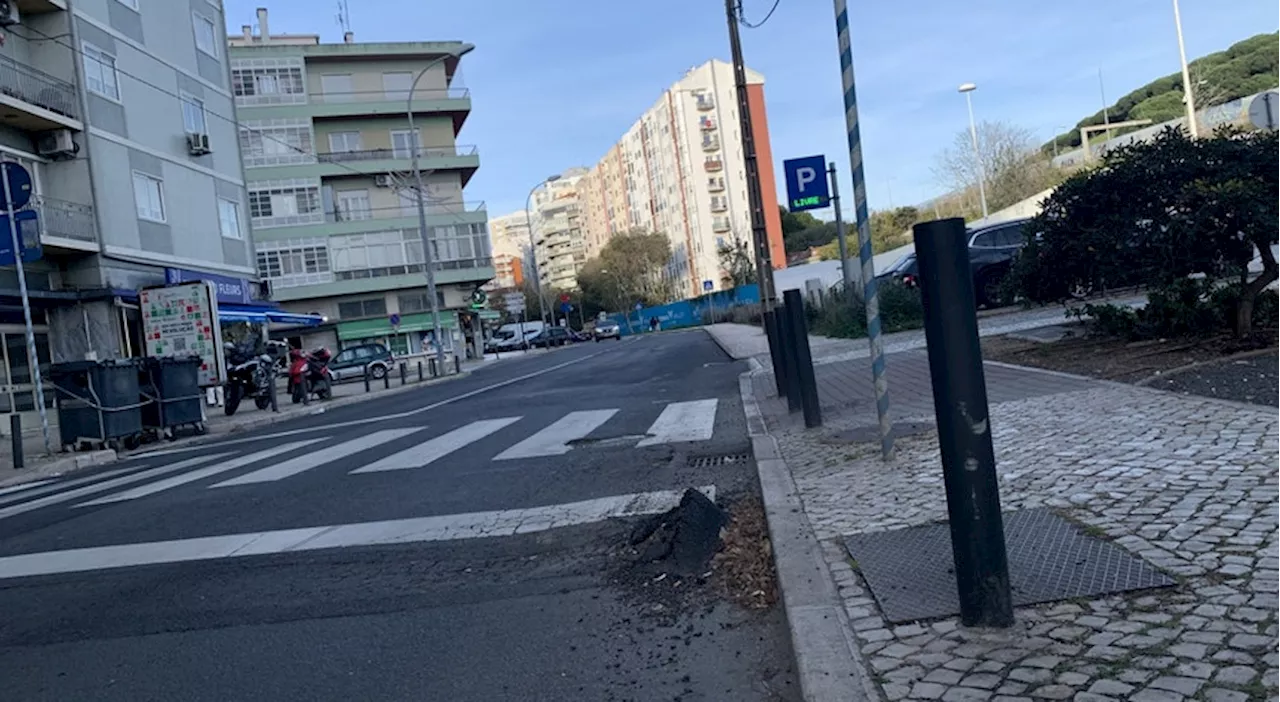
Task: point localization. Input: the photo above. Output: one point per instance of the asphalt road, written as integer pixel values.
(467, 558)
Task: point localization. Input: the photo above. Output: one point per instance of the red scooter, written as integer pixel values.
(310, 371)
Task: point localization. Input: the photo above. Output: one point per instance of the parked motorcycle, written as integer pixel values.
(249, 374)
(313, 367)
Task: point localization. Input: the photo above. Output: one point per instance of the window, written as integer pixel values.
(206, 34)
(294, 262)
(276, 142)
(353, 205)
(372, 307)
(100, 72)
(131, 4)
(229, 219)
(268, 81)
(984, 240)
(344, 142)
(420, 302)
(282, 203)
(148, 196)
(402, 142)
(337, 87)
(193, 116)
(395, 86)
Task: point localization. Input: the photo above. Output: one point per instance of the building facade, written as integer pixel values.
(121, 111)
(559, 231)
(327, 152)
(679, 170)
(509, 235)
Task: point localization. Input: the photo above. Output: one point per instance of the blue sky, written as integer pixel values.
(556, 82)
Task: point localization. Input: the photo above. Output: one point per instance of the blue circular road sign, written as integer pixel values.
(19, 193)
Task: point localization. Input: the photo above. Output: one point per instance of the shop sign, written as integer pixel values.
(182, 320)
(231, 291)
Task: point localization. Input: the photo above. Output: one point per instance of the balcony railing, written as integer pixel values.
(710, 144)
(705, 102)
(37, 87)
(413, 268)
(715, 185)
(395, 154)
(409, 209)
(713, 165)
(68, 220)
(707, 124)
(391, 95)
(720, 225)
(719, 205)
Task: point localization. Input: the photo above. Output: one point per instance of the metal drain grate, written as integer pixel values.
(723, 459)
(910, 570)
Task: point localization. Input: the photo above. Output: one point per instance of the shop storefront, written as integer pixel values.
(410, 334)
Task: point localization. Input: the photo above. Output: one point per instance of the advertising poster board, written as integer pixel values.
(182, 320)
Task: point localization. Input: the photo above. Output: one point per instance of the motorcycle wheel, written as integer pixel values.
(324, 389)
(232, 400)
(262, 402)
(295, 393)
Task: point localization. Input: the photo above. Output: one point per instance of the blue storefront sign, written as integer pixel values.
(233, 291)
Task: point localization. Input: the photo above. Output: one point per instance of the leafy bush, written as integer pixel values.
(1186, 308)
(844, 316)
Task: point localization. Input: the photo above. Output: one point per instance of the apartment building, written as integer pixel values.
(509, 235)
(327, 149)
(679, 170)
(559, 233)
(121, 111)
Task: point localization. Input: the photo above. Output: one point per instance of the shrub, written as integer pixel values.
(845, 317)
(1184, 308)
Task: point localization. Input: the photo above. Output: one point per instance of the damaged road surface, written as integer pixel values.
(577, 525)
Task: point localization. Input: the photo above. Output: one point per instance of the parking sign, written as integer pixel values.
(807, 187)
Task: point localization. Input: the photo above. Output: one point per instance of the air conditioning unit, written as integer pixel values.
(9, 13)
(198, 143)
(383, 180)
(57, 143)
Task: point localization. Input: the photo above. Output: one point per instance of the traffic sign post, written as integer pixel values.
(806, 186)
(16, 183)
(708, 286)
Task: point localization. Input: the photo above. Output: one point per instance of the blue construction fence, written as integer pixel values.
(687, 313)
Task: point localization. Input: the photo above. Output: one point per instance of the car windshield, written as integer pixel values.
(902, 264)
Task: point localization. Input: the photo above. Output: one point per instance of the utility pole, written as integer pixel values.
(1188, 95)
(760, 237)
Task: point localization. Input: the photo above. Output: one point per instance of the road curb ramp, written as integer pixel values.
(683, 539)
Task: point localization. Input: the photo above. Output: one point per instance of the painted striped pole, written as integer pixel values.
(870, 296)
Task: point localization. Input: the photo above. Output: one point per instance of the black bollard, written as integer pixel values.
(777, 353)
(306, 389)
(419, 371)
(367, 387)
(432, 363)
(964, 425)
(15, 434)
(457, 364)
(786, 342)
(386, 378)
(402, 373)
(806, 381)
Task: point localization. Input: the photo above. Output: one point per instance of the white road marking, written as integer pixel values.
(380, 418)
(308, 461)
(473, 525)
(438, 447)
(683, 421)
(554, 439)
(199, 474)
(63, 484)
(24, 486)
(107, 485)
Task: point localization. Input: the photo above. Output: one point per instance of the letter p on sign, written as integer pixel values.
(807, 187)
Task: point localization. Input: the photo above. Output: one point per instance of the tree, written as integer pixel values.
(1163, 213)
(737, 264)
(796, 221)
(1012, 167)
(628, 270)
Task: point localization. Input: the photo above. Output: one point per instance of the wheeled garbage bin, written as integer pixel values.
(171, 394)
(98, 402)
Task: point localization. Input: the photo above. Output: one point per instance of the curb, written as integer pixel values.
(828, 662)
(63, 465)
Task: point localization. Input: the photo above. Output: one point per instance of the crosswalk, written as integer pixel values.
(528, 436)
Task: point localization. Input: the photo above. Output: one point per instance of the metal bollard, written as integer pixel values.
(787, 343)
(777, 354)
(964, 424)
(457, 365)
(367, 386)
(806, 380)
(402, 373)
(432, 362)
(15, 433)
(419, 371)
(386, 379)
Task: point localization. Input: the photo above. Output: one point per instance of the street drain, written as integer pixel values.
(720, 460)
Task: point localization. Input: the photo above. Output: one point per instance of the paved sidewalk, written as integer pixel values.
(1187, 484)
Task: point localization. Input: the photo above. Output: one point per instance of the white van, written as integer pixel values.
(511, 337)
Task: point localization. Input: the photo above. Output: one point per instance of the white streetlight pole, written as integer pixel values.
(428, 261)
(1187, 90)
(533, 246)
(968, 89)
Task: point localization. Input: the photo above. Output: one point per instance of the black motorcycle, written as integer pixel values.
(249, 374)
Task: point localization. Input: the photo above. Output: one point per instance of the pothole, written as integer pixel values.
(608, 441)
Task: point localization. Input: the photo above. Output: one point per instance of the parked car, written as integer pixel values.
(902, 271)
(992, 250)
(551, 336)
(350, 363)
(607, 330)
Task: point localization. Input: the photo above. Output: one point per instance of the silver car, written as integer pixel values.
(606, 330)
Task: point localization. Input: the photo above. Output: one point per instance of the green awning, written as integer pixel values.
(372, 328)
(490, 315)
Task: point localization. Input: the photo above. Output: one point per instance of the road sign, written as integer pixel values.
(564, 297)
(19, 185)
(639, 307)
(478, 299)
(708, 286)
(395, 320)
(566, 306)
(1264, 111)
(807, 183)
(28, 237)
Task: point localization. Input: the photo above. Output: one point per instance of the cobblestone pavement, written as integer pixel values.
(1188, 484)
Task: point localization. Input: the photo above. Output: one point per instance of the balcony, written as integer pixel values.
(707, 124)
(33, 100)
(377, 161)
(35, 7)
(710, 143)
(715, 185)
(705, 102)
(343, 221)
(720, 224)
(375, 103)
(60, 219)
(719, 204)
(713, 165)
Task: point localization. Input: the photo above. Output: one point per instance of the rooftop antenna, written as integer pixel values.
(344, 16)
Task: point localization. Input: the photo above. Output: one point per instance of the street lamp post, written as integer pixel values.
(428, 261)
(533, 246)
(968, 89)
(1187, 91)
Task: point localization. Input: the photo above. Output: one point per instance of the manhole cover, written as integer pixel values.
(911, 573)
(719, 460)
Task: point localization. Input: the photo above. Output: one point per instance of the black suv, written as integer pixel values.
(351, 362)
(551, 336)
(992, 250)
